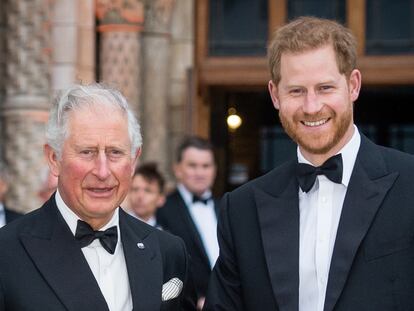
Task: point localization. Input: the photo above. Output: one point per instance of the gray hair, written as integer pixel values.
(78, 96)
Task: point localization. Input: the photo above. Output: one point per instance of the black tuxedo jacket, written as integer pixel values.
(372, 266)
(175, 218)
(42, 266)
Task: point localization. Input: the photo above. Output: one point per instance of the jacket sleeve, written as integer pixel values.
(224, 291)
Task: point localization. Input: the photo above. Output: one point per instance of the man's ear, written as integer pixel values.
(177, 170)
(51, 159)
(354, 84)
(161, 201)
(273, 93)
(135, 160)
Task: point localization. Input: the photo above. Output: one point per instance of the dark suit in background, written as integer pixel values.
(175, 218)
(45, 269)
(190, 211)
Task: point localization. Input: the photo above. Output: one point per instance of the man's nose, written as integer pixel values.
(312, 103)
(102, 170)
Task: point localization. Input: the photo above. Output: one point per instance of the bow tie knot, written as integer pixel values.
(197, 198)
(86, 235)
(331, 168)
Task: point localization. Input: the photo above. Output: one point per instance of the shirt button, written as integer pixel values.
(323, 199)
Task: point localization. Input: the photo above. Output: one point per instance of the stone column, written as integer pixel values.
(73, 37)
(25, 108)
(156, 55)
(120, 26)
(2, 67)
(181, 85)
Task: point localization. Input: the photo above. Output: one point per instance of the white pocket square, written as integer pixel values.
(171, 289)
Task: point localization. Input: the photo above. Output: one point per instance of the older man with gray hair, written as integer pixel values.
(80, 250)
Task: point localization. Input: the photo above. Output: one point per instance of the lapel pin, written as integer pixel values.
(141, 245)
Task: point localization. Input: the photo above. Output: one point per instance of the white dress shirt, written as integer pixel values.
(2, 215)
(320, 210)
(204, 217)
(110, 271)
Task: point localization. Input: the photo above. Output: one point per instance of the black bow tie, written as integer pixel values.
(85, 235)
(197, 198)
(332, 169)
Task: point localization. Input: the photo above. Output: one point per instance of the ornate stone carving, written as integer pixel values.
(24, 136)
(24, 110)
(120, 24)
(28, 49)
(158, 15)
(120, 15)
(120, 63)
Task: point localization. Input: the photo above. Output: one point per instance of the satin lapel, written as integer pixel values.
(278, 211)
(144, 263)
(193, 232)
(59, 259)
(367, 188)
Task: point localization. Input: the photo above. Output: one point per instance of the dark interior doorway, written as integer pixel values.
(383, 114)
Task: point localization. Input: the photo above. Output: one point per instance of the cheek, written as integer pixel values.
(74, 171)
(124, 172)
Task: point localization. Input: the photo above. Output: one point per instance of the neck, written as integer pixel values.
(318, 159)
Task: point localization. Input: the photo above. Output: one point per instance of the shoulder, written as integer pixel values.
(173, 198)
(142, 230)
(11, 215)
(169, 247)
(33, 223)
(272, 181)
(393, 159)
(172, 203)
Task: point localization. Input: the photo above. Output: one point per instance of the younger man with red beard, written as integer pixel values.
(332, 229)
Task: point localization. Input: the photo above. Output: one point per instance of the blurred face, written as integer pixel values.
(197, 170)
(315, 102)
(48, 187)
(3, 189)
(145, 197)
(95, 170)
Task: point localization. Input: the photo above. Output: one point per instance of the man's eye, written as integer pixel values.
(296, 92)
(86, 152)
(116, 153)
(324, 88)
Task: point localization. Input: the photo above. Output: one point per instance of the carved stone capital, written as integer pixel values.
(158, 15)
(120, 15)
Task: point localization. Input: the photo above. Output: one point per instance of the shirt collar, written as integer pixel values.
(188, 196)
(72, 219)
(349, 153)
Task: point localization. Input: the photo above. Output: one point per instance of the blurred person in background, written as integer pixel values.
(146, 193)
(191, 211)
(48, 185)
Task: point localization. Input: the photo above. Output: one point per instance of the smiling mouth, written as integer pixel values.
(315, 123)
(100, 190)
